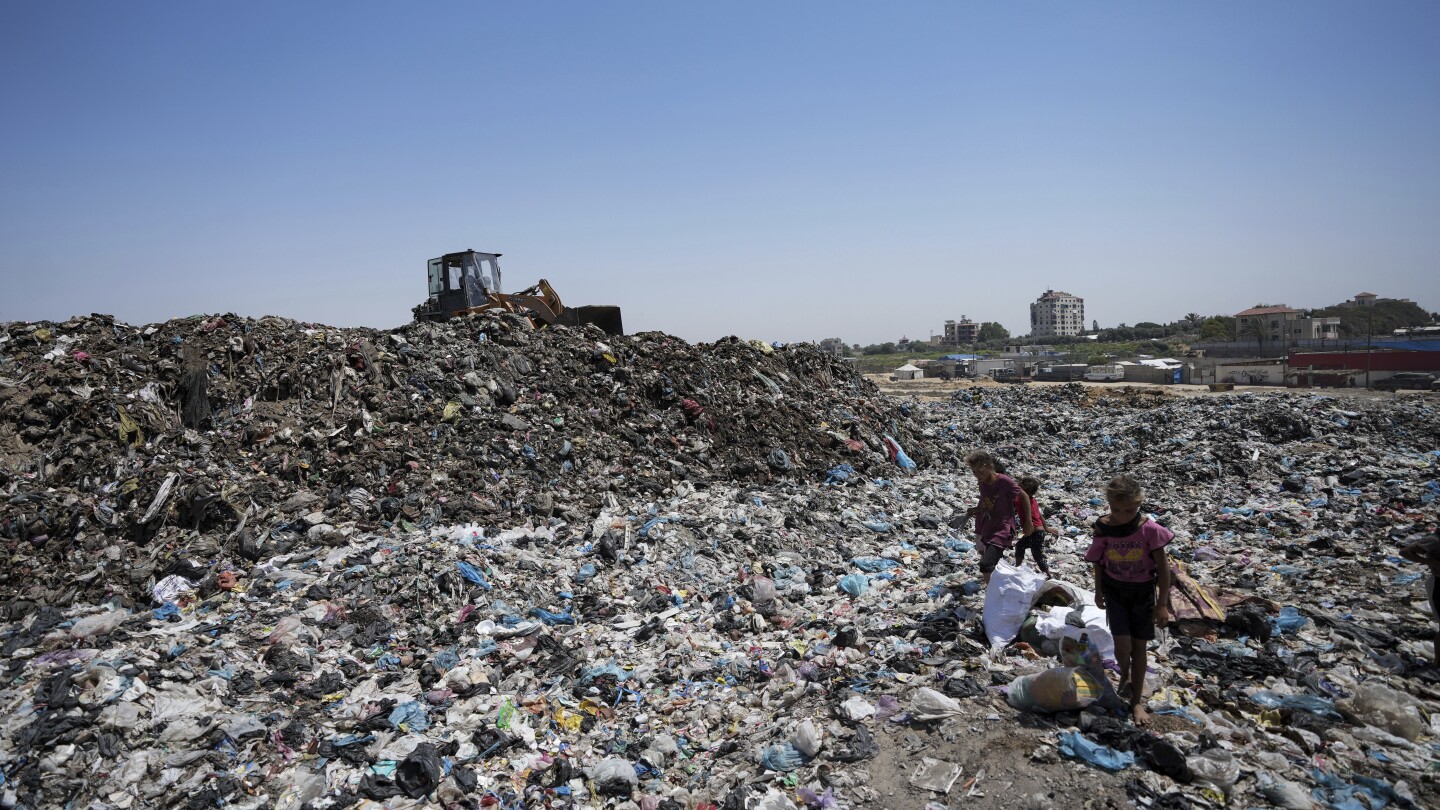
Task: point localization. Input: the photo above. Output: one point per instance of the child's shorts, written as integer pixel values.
(1130, 608)
(990, 557)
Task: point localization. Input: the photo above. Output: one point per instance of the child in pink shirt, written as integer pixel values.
(1130, 567)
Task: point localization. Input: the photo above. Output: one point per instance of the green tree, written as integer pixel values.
(879, 348)
(1216, 328)
(990, 330)
(1254, 329)
(1148, 325)
(1098, 360)
(1381, 318)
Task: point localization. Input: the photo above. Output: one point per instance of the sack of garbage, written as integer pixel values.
(1378, 705)
(1062, 689)
(1008, 598)
(1066, 689)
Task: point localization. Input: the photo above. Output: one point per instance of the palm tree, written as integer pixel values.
(1254, 327)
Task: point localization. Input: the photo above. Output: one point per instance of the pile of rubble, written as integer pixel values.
(261, 435)
(263, 563)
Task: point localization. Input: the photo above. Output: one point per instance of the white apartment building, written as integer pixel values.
(1057, 313)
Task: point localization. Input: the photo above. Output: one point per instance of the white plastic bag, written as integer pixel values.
(1052, 625)
(1007, 601)
(1378, 705)
(928, 704)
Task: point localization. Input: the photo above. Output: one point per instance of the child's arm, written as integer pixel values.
(1027, 522)
(1415, 552)
(1099, 591)
(1051, 530)
(1162, 595)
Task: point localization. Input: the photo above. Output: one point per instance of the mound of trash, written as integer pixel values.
(269, 564)
(266, 433)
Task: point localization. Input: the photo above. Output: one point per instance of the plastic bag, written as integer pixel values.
(1288, 622)
(1075, 745)
(1007, 601)
(854, 584)
(782, 757)
(1378, 705)
(1305, 703)
(613, 776)
(1283, 793)
(1054, 625)
(928, 704)
(420, 772)
(1217, 768)
(808, 739)
(100, 624)
(1062, 689)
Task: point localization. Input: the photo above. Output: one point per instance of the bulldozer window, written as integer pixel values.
(437, 277)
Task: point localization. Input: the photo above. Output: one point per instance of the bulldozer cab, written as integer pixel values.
(464, 280)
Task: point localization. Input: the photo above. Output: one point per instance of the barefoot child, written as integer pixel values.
(1130, 563)
(1001, 499)
(1035, 540)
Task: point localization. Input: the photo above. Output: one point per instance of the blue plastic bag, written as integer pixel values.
(411, 715)
(1075, 745)
(854, 584)
(1288, 622)
(473, 574)
(552, 619)
(1305, 703)
(782, 757)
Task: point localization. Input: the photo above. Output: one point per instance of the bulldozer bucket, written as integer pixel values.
(604, 316)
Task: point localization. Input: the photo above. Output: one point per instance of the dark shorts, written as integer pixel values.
(990, 557)
(1130, 608)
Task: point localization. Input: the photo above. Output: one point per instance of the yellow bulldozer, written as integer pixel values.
(468, 282)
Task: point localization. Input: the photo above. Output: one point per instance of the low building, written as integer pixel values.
(834, 346)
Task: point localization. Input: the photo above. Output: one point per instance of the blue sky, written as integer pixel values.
(787, 171)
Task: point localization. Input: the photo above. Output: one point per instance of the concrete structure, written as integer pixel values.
(961, 333)
(943, 369)
(1350, 369)
(1057, 313)
(1281, 323)
(1265, 323)
(834, 346)
(1250, 372)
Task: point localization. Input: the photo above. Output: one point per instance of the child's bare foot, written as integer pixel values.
(1140, 714)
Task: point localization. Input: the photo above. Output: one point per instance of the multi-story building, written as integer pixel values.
(962, 332)
(1057, 313)
(1283, 323)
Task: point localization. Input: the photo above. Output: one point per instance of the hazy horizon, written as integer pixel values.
(784, 173)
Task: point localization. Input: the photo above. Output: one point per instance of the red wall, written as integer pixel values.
(1379, 361)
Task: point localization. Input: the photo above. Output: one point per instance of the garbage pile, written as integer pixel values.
(270, 564)
(262, 435)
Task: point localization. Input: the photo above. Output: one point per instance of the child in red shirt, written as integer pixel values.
(1035, 540)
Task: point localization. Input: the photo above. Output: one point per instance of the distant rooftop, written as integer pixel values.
(1265, 311)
